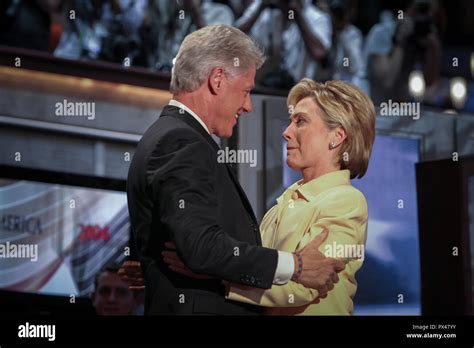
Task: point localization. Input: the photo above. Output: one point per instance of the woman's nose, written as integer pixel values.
(286, 133)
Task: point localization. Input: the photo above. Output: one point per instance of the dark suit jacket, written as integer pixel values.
(178, 191)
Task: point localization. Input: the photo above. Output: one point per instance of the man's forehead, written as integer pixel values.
(249, 77)
(246, 82)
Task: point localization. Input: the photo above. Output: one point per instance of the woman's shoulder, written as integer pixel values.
(347, 191)
(343, 197)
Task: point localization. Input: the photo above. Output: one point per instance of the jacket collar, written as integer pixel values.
(182, 114)
(314, 187)
(180, 105)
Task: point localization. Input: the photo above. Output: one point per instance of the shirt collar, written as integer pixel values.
(180, 105)
(314, 187)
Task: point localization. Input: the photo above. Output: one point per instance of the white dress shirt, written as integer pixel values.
(286, 263)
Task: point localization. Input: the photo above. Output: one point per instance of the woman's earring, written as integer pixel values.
(332, 145)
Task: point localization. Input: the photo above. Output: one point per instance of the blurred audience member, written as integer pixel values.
(112, 295)
(237, 6)
(346, 60)
(26, 23)
(296, 36)
(83, 32)
(122, 20)
(148, 33)
(108, 30)
(181, 17)
(396, 47)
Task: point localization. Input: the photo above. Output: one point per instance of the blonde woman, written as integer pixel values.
(330, 136)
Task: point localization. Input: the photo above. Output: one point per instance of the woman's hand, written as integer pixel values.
(175, 264)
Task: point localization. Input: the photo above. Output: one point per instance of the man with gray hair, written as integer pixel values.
(178, 191)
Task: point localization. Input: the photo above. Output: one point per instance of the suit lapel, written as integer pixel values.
(175, 111)
(242, 194)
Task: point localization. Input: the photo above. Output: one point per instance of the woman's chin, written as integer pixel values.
(292, 165)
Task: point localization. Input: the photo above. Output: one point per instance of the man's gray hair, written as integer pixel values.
(210, 47)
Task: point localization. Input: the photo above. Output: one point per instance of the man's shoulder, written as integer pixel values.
(168, 134)
(170, 126)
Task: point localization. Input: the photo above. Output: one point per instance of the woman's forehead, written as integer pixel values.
(307, 106)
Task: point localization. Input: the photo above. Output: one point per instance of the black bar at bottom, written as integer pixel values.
(257, 330)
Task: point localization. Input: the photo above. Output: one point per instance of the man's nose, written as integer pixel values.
(248, 104)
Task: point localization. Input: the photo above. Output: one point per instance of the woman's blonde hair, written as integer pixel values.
(347, 106)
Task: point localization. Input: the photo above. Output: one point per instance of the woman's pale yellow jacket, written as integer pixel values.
(301, 213)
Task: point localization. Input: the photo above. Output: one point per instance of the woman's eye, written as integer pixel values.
(297, 120)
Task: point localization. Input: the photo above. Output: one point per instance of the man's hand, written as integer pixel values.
(131, 273)
(175, 264)
(319, 271)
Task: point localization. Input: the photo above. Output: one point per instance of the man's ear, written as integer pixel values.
(216, 80)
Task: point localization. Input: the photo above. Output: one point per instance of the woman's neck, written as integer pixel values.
(312, 173)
